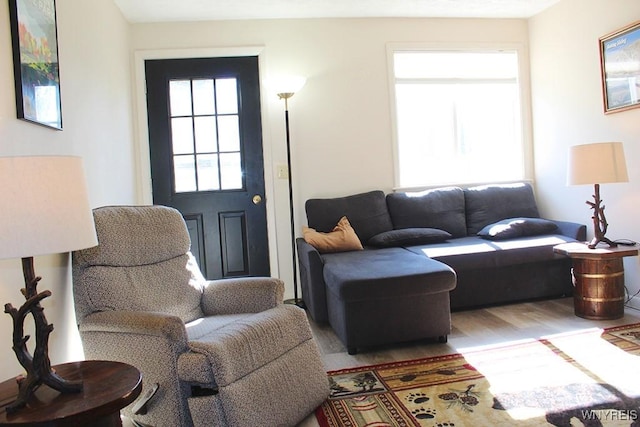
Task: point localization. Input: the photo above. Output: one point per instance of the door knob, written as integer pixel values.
(257, 199)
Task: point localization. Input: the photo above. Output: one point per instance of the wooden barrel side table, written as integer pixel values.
(598, 279)
(598, 288)
(107, 388)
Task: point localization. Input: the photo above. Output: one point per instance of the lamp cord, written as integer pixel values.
(625, 242)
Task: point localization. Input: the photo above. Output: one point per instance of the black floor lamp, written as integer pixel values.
(288, 89)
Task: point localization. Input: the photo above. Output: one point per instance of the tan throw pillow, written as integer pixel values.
(343, 238)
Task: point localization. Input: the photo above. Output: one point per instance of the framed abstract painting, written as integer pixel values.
(620, 68)
(35, 61)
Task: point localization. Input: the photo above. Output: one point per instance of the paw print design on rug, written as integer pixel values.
(417, 398)
(445, 425)
(466, 399)
(424, 414)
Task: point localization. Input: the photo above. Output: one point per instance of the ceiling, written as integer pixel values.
(207, 10)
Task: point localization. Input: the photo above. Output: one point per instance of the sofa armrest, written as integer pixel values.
(129, 324)
(242, 295)
(572, 229)
(314, 292)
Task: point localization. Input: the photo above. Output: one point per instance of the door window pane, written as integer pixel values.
(208, 177)
(180, 97)
(203, 97)
(206, 134)
(182, 135)
(227, 96)
(184, 172)
(229, 133)
(230, 171)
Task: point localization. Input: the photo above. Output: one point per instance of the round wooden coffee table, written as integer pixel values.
(107, 388)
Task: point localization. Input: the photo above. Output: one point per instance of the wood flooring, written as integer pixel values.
(471, 328)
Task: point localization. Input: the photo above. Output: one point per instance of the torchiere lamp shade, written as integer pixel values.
(45, 208)
(598, 163)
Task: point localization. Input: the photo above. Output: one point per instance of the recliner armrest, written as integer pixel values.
(241, 295)
(572, 229)
(135, 322)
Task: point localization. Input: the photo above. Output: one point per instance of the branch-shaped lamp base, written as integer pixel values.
(600, 224)
(38, 366)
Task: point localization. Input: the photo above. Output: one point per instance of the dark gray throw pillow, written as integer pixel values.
(409, 237)
(517, 227)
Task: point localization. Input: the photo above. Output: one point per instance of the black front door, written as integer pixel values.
(205, 141)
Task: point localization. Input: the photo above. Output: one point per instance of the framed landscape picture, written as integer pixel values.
(620, 67)
(35, 61)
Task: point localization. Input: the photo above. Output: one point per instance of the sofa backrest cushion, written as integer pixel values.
(367, 213)
(492, 203)
(441, 208)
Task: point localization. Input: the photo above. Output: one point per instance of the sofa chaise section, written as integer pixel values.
(379, 297)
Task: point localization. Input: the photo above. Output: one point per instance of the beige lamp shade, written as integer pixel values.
(598, 163)
(45, 208)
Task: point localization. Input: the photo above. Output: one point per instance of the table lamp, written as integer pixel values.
(45, 210)
(597, 163)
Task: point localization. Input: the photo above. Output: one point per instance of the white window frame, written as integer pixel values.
(524, 91)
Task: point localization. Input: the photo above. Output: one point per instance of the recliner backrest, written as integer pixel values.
(142, 263)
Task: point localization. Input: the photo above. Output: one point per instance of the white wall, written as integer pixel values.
(568, 110)
(97, 119)
(340, 121)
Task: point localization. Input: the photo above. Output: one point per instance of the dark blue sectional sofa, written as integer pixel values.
(428, 253)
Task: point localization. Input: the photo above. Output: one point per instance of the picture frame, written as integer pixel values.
(620, 68)
(34, 37)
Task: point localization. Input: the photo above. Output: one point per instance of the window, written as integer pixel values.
(458, 117)
(205, 134)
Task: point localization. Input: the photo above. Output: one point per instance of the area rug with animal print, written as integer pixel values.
(589, 377)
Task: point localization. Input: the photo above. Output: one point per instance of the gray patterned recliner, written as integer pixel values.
(224, 353)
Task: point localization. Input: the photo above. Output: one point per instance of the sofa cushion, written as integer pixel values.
(488, 204)
(473, 252)
(517, 227)
(367, 213)
(441, 208)
(408, 237)
(383, 273)
(342, 238)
